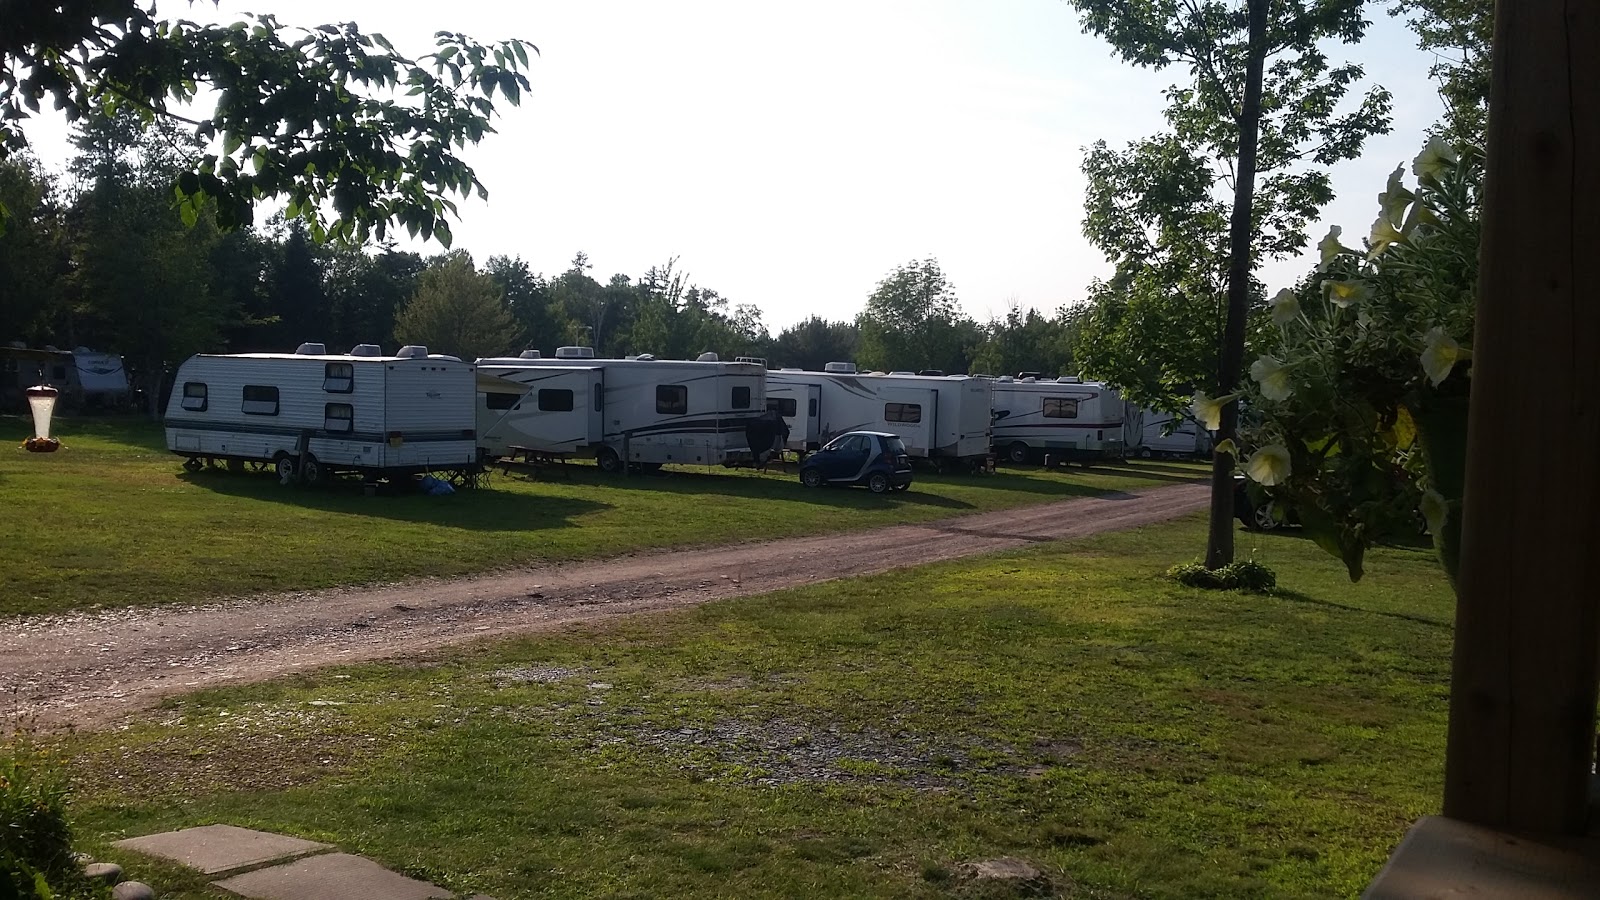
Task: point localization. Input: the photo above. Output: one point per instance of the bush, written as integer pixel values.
(36, 861)
(1245, 575)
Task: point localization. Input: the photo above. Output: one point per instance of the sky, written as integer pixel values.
(791, 156)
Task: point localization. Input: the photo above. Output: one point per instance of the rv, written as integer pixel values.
(83, 376)
(1066, 418)
(310, 414)
(1153, 433)
(941, 418)
(642, 410)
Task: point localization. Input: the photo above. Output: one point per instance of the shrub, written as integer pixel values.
(1245, 575)
(36, 861)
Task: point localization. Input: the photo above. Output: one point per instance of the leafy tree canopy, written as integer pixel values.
(356, 137)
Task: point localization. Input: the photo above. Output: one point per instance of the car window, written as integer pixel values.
(838, 443)
(894, 445)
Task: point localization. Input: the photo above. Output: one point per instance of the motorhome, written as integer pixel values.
(1151, 433)
(311, 414)
(941, 418)
(1066, 418)
(642, 410)
(83, 376)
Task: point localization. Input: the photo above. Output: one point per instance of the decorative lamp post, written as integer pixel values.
(42, 400)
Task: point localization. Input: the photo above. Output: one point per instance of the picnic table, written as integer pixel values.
(533, 461)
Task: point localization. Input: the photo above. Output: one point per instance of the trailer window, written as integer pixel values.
(339, 378)
(741, 398)
(339, 418)
(783, 406)
(672, 399)
(260, 400)
(1060, 408)
(907, 413)
(194, 396)
(555, 400)
(497, 400)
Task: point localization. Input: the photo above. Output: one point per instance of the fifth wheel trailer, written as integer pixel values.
(940, 418)
(1068, 418)
(646, 411)
(311, 413)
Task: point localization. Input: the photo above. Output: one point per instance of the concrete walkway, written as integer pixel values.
(265, 866)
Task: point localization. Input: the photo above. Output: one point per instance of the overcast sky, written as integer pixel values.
(792, 155)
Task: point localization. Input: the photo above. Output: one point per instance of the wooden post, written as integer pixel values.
(1523, 689)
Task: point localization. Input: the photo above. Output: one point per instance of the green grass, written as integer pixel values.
(114, 520)
(1066, 703)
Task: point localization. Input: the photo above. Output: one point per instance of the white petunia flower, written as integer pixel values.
(1434, 158)
(1285, 307)
(1208, 411)
(1435, 509)
(1440, 353)
(1383, 234)
(1227, 447)
(1346, 294)
(1395, 198)
(1273, 377)
(1330, 247)
(1269, 466)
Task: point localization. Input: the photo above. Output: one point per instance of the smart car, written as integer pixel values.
(873, 458)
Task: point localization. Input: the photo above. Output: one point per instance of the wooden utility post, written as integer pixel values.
(1524, 683)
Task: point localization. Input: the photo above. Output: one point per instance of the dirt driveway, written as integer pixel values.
(88, 668)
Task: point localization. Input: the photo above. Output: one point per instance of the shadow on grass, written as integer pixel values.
(475, 510)
(689, 481)
(137, 431)
(1298, 597)
(1154, 473)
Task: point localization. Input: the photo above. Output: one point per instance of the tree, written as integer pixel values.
(1458, 33)
(913, 321)
(33, 254)
(366, 291)
(299, 300)
(544, 325)
(1026, 342)
(1250, 118)
(458, 311)
(303, 115)
(813, 343)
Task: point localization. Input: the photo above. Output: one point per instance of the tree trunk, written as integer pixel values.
(1219, 544)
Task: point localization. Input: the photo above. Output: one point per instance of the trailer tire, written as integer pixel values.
(283, 465)
(811, 478)
(311, 471)
(1018, 453)
(608, 461)
(878, 483)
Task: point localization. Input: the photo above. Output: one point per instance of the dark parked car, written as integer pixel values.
(873, 458)
(1261, 512)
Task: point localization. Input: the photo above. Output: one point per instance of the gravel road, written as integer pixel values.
(89, 668)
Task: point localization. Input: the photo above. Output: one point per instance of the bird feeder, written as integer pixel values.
(42, 400)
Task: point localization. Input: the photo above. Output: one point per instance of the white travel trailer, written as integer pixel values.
(85, 377)
(645, 411)
(1067, 418)
(1153, 433)
(942, 418)
(311, 414)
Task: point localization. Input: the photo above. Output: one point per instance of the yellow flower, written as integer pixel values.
(1383, 234)
(1208, 411)
(1435, 509)
(1434, 158)
(1269, 465)
(1440, 353)
(1273, 377)
(1330, 247)
(1285, 307)
(1395, 198)
(1346, 294)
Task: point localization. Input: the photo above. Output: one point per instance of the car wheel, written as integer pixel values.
(608, 461)
(1018, 453)
(1262, 518)
(811, 478)
(878, 482)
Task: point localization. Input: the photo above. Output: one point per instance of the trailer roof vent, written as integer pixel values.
(1069, 379)
(528, 354)
(843, 368)
(444, 357)
(937, 373)
(707, 356)
(901, 372)
(1004, 379)
(310, 349)
(366, 350)
(754, 360)
(574, 353)
(790, 369)
(412, 351)
(646, 357)
(1029, 380)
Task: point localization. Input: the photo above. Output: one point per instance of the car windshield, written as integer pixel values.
(894, 445)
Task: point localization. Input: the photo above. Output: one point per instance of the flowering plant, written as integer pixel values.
(1356, 412)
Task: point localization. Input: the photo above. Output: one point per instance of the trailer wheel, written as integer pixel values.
(1018, 453)
(608, 461)
(193, 464)
(283, 464)
(878, 483)
(311, 471)
(812, 477)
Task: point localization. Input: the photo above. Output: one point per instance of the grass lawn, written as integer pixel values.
(1063, 703)
(114, 519)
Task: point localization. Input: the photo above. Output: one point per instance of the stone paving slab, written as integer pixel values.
(332, 876)
(218, 849)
